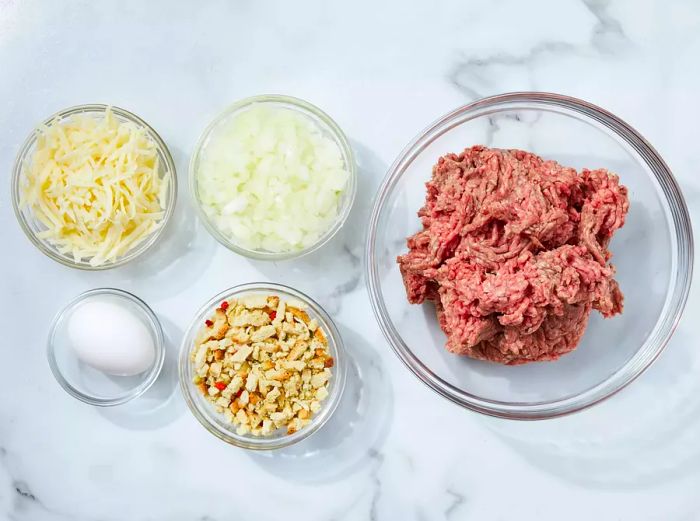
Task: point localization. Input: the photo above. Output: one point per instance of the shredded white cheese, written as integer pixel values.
(270, 180)
(93, 183)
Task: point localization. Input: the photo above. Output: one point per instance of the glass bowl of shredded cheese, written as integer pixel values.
(273, 177)
(93, 186)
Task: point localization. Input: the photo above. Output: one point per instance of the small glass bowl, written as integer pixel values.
(653, 254)
(90, 385)
(32, 226)
(324, 123)
(214, 422)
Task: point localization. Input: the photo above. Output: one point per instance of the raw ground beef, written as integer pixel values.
(513, 253)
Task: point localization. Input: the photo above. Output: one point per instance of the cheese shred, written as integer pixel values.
(93, 183)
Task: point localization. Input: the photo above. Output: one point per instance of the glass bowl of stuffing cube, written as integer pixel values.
(262, 366)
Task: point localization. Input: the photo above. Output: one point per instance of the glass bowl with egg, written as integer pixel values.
(273, 177)
(106, 347)
(262, 366)
(93, 187)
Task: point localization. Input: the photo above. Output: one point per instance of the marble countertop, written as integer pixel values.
(394, 450)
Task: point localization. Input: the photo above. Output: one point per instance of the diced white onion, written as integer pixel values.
(269, 179)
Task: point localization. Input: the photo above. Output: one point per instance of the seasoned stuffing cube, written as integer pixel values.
(242, 353)
(262, 333)
(251, 382)
(300, 314)
(215, 369)
(220, 326)
(254, 301)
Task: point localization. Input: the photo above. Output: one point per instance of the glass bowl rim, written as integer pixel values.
(168, 168)
(676, 295)
(298, 105)
(263, 443)
(159, 345)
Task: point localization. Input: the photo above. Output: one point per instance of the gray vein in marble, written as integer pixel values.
(491, 131)
(473, 71)
(355, 259)
(409, 460)
(347, 286)
(25, 499)
(457, 501)
(608, 36)
(356, 270)
(378, 458)
(23, 490)
(472, 76)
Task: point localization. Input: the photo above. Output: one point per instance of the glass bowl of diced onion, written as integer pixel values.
(216, 422)
(250, 173)
(54, 227)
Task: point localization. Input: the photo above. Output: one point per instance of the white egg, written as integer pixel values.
(111, 338)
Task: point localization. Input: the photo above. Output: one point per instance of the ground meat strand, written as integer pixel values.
(513, 253)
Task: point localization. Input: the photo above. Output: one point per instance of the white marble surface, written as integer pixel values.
(395, 450)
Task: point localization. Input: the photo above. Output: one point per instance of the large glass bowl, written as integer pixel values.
(32, 226)
(323, 123)
(653, 254)
(216, 423)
